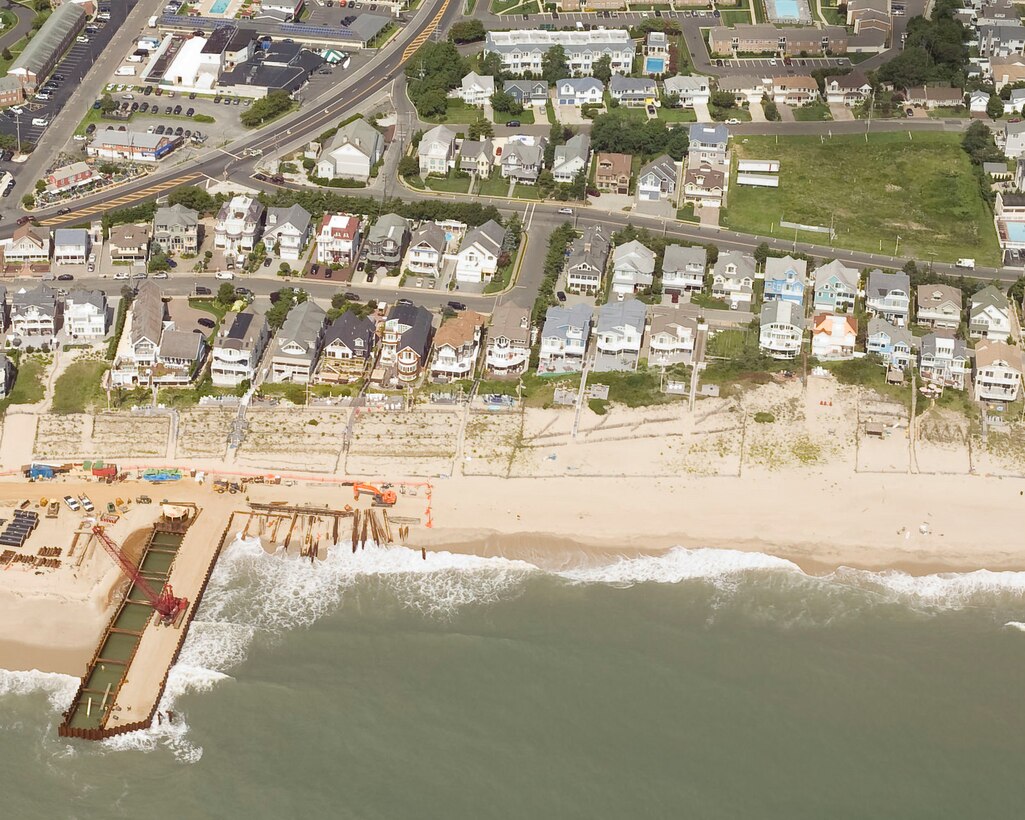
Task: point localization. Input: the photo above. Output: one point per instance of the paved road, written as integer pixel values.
(20, 28)
(315, 115)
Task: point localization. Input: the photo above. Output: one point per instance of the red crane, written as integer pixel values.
(165, 603)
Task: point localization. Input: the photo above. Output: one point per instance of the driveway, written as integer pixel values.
(840, 112)
(786, 113)
(757, 112)
(702, 113)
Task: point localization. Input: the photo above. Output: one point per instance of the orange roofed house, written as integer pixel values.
(833, 336)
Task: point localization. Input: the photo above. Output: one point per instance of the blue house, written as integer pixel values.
(894, 344)
(785, 279)
(836, 287)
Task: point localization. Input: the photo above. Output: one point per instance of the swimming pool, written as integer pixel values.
(654, 65)
(220, 6)
(788, 10)
(1015, 231)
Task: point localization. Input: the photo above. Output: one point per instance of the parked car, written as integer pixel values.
(561, 296)
(160, 274)
(354, 297)
(177, 110)
(207, 323)
(203, 291)
(568, 211)
(457, 305)
(224, 274)
(267, 262)
(65, 277)
(513, 123)
(72, 503)
(190, 112)
(87, 504)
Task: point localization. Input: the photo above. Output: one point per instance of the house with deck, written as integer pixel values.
(296, 347)
(836, 288)
(633, 268)
(781, 329)
(564, 339)
(943, 360)
(619, 335)
(509, 338)
(786, 279)
(939, 306)
(888, 296)
(347, 352)
(894, 344)
(833, 336)
(733, 279)
(457, 346)
(683, 269)
(989, 316)
(998, 371)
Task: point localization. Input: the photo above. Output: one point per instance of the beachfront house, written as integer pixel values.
(457, 347)
(509, 337)
(619, 335)
(238, 347)
(833, 336)
(33, 313)
(943, 360)
(296, 347)
(998, 371)
(671, 337)
(781, 329)
(85, 314)
(347, 350)
(406, 341)
(564, 339)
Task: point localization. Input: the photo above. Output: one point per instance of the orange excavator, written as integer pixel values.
(382, 498)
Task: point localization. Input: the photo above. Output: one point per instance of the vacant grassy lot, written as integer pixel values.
(78, 390)
(922, 190)
(28, 383)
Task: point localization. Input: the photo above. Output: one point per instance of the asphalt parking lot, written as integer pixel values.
(778, 64)
(73, 67)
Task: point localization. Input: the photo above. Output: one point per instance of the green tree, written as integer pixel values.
(409, 166)
(273, 105)
(40, 185)
(771, 110)
(158, 262)
(723, 99)
(554, 65)
(995, 107)
(601, 69)
(762, 253)
(107, 104)
(467, 31)
(482, 129)
(432, 103)
(226, 294)
(491, 64)
(6, 54)
(506, 103)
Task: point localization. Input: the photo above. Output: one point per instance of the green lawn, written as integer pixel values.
(676, 114)
(28, 383)
(637, 389)
(502, 6)
(813, 112)
(78, 389)
(730, 344)
(922, 189)
(494, 185)
(832, 14)
(458, 113)
(948, 113)
(731, 17)
(450, 184)
(723, 114)
(526, 116)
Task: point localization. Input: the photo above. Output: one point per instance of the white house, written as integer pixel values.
(338, 239)
(288, 231)
(437, 151)
(85, 314)
(733, 279)
(427, 250)
(833, 336)
(522, 51)
(990, 315)
(579, 91)
(943, 360)
(564, 338)
(572, 158)
(29, 244)
(633, 92)
(477, 257)
(71, 246)
(687, 91)
(781, 329)
(238, 225)
(476, 89)
(619, 334)
(633, 268)
(352, 152)
(683, 269)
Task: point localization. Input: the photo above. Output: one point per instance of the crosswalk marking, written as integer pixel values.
(422, 37)
(122, 201)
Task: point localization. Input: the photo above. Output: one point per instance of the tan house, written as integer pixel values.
(939, 306)
(931, 96)
(29, 244)
(129, 243)
(1007, 70)
(612, 173)
(508, 341)
(762, 38)
(457, 347)
(998, 369)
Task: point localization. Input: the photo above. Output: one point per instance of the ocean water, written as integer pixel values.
(704, 684)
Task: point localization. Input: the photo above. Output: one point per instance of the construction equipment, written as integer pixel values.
(220, 485)
(382, 498)
(53, 509)
(143, 499)
(165, 603)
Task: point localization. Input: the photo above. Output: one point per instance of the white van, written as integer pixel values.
(965, 263)
(126, 71)
(41, 122)
(224, 274)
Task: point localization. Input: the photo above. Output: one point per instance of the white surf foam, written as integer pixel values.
(948, 590)
(1015, 625)
(680, 564)
(60, 688)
